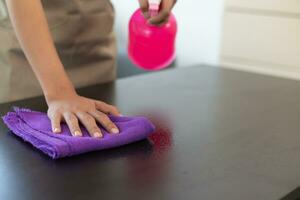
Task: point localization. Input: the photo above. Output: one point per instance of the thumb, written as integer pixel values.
(144, 8)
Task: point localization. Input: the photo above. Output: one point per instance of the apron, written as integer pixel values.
(82, 31)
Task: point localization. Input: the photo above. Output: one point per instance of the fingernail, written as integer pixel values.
(97, 134)
(56, 130)
(114, 130)
(77, 133)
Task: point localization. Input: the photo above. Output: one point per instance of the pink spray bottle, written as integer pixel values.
(151, 47)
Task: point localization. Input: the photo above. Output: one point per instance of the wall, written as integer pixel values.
(262, 36)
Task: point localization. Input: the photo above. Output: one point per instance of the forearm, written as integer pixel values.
(31, 27)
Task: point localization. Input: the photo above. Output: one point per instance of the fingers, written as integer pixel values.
(164, 13)
(72, 123)
(144, 8)
(104, 120)
(55, 122)
(106, 108)
(90, 124)
(88, 119)
(162, 16)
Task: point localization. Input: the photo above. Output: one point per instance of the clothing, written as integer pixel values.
(82, 31)
(35, 128)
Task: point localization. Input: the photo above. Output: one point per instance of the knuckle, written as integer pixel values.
(73, 127)
(92, 111)
(89, 119)
(99, 104)
(51, 113)
(100, 115)
(144, 8)
(105, 119)
(72, 120)
(165, 13)
(114, 109)
(67, 114)
(107, 105)
(90, 124)
(109, 124)
(77, 111)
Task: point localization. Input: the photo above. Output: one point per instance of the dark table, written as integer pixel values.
(221, 134)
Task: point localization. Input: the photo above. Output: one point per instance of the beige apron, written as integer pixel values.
(83, 34)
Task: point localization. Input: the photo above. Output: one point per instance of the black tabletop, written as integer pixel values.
(221, 134)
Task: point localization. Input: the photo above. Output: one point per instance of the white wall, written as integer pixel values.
(262, 36)
(199, 23)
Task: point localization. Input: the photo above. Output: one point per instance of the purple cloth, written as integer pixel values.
(35, 128)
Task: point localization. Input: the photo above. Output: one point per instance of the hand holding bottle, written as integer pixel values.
(165, 7)
(152, 33)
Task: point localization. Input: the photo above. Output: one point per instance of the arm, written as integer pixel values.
(32, 31)
(30, 25)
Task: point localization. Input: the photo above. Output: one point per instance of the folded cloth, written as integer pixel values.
(35, 128)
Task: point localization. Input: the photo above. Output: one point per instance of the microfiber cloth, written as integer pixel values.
(35, 128)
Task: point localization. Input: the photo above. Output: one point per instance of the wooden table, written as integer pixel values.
(221, 134)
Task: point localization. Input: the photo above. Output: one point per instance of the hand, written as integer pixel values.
(163, 15)
(73, 109)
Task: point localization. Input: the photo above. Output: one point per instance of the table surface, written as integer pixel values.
(221, 134)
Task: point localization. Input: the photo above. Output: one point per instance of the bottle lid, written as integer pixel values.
(154, 7)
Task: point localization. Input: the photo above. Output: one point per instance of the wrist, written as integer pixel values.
(60, 91)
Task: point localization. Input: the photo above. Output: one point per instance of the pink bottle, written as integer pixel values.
(151, 47)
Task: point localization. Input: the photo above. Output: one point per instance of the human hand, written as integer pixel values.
(73, 109)
(164, 12)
